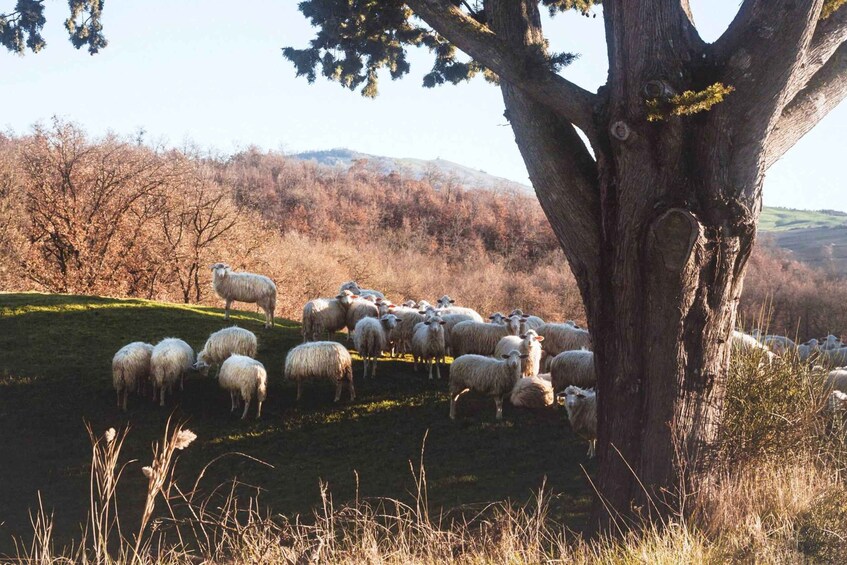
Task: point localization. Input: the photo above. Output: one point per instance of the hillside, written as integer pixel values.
(55, 355)
(783, 219)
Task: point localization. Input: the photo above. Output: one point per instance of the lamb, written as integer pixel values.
(490, 377)
(245, 287)
(170, 360)
(224, 343)
(245, 379)
(131, 369)
(358, 309)
(573, 368)
(326, 315)
(353, 287)
(581, 405)
(320, 360)
(370, 338)
(532, 392)
(479, 338)
(530, 343)
(563, 337)
(428, 343)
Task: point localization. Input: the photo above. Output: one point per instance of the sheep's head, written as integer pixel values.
(531, 335)
(369, 298)
(513, 358)
(445, 301)
(220, 269)
(352, 286)
(837, 401)
(410, 304)
(389, 321)
(346, 298)
(497, 318)
(423, 305)
(574, 396)
(516, 312)
(202, 364)
(514, 324)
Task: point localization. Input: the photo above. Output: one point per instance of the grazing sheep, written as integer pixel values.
(834, 357)
(563, 337)
(370, 338)
(357, 310)
(532, 392)
(581, 405)
(245, 379)
(491, 377)
(353, 287)
(836, 380)
(529, 343)
(326, 315)
(170, 360)
(320, 360)
(573, 368)
(131, 369)
(480, 338)
(245, 287)
(224, 343)
(428, 343)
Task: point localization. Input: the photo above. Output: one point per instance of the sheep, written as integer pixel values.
(745, 343)
(370, 338)
(428, 343)
(532, 392)
(450, 321)
(244, 378)
(401, 335)
(410, 304)
(563, 337)
(245, 287)
(224, 343)
(446, 306)
(529, 343)
(353, 287)
(131, 369)
(320, 360)
(490, 377)
(358, 309)
(836, 380)
(834, 357)
(170, 360)
(528, 322)
(581, 405)
(778, 344)
(573, 368)
(480, 338)
(831, 342)
(326, 315)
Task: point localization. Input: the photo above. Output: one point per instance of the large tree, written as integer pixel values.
(658, 216)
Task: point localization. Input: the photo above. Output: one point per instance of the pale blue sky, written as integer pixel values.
(212, 72)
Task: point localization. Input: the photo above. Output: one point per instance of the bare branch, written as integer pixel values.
(822, 94)
(568, 100)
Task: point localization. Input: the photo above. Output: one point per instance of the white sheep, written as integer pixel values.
(450, 321)
(532, 392)
(170, 360)
(245, 287)
(573, 368)
(779, 344)
(480, 338)
(581, 405)
(358, 309)
(370, 338)
(836, 380)
(528, 322)
(833, 357)
(831, 342)
(428, 343)
(245, 379)
(530, 343)
(563, 337)
(353, 287)
(131, 369)
(320, 360)
(490, 377)
(326, 315)
(223, 343)
(745, 343)
(446, 305)
(401, 335)
(410, 304)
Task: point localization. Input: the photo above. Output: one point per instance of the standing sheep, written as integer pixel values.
(481, 339)
(326, 315)
(746, 343)
(836, 380)
(370, 339)
(529, 343)
(401, 335)
(581, 405)
(490, 377)
(428, 343)
(358, 309)
(245, 379)
(833, 357)
(573, 368)
(563, 337)
(320, 360)
(532, 392)
(170, 360)
(245, 287)
(224, 343)
(528, 322)
(131, 369)
(445, 305)
(353, 287)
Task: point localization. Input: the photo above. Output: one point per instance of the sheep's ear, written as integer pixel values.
(539, 338)
(427, 323)
(442, 322)
(491, 317)
(522, 336)
(452, 302)
(354, 296)
(525, 317)
(505, 356)
(524, 356)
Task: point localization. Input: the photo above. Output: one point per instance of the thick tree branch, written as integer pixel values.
(822, 94)
(830, 33)
(520, 69)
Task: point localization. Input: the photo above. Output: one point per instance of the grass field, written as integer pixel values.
(55, 375)
(782, 219)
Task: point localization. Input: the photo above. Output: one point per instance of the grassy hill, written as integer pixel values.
(55, 375)
(783, 219)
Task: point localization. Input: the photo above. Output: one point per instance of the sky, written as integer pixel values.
(211, 73)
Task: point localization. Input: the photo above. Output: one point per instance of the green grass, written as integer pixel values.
(782, 219)
(55, 375)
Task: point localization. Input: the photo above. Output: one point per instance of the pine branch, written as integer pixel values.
(520, 69)
(820, 96)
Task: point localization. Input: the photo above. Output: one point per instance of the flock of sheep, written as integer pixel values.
(532, 361)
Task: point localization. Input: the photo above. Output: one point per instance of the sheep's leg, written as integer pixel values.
(269, 318)
(259, 409)
(373, 366)
(430, 362)
(338, 386)
(118, 391)
(246, 406)
(591, 444)
(499, 402)
(226, 308)
(299, 389)
(182, 382)
(352, 391)
(365, 363)
(162, 401)
(126, 395)
(453, 401)
(438, 369)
